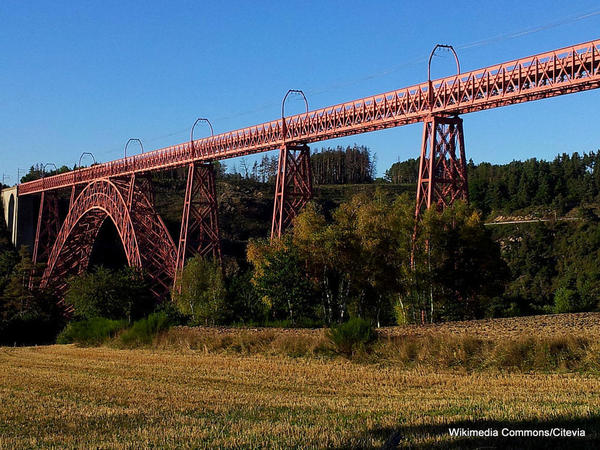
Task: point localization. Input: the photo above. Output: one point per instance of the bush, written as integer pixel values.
(292, 343)
(30, 328)
(143, 331)
(31, 319)
(352, 336)
(93, 331)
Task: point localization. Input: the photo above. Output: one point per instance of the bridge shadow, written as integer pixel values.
(437, 436)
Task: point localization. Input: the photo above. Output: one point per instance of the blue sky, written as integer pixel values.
(86, 76)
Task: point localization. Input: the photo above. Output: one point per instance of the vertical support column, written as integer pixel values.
(47, 228)
(199, 219)
(442, 167)
(293, 188)
(75, 191)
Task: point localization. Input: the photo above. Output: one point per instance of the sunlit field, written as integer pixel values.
(105, 397)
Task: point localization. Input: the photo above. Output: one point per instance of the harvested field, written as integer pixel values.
(101, 397)
(550, 325)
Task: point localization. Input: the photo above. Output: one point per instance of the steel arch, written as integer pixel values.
(101, 200)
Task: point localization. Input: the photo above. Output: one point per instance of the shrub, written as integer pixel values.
(352, 336)
(35, 319)
(143, 331)
(93, 331)
(293, 343)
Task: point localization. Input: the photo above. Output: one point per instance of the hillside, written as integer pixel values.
(246, 206)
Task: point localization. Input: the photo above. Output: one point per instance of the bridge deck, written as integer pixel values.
(562, 71)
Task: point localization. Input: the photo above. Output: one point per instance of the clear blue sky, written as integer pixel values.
(86, 76)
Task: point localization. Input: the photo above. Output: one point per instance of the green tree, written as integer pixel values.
(244, 304)
(566, 300)
(17, 297)
(309, 238)
(281, 280)
(120, 294)
(465, 264)
(200, 291)
(359, 261)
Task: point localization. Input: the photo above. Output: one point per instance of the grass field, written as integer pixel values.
(104, 397)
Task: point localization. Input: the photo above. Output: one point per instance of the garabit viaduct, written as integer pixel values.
(121, 190)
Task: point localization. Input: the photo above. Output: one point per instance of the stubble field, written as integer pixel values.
(102, 397)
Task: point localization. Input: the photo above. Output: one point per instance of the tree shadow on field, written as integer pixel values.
(438, 436)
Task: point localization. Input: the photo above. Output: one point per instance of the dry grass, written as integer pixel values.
(101, 397)
(247, 341)
(506, 345)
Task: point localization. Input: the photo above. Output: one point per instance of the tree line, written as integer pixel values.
(340, 165)
(349, 165)
(561, 184)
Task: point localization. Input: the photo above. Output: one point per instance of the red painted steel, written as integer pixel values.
(199, 219)
(157, 250)
(442, 167)
(145, 239)
(293, 188)
(558, 72)
(47, 228)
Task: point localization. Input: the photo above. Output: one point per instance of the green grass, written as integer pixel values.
(144, 331)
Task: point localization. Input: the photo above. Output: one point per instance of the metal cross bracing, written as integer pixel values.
(293, 187)
(563, 71)
(199, 219)
(47, 228)
(442, 165)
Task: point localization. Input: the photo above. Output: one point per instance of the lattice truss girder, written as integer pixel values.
(199, 219)
(558, 72)
(442, 167)
(293, 188)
